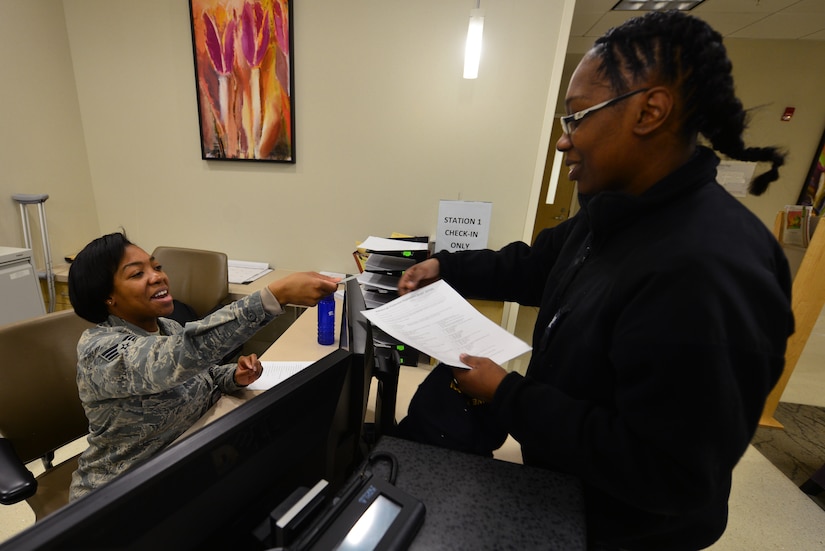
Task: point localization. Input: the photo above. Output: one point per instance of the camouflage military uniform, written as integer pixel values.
(142, 390)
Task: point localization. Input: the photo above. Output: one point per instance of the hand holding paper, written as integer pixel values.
(437, 321)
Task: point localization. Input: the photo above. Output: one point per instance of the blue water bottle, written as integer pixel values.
(326, 320)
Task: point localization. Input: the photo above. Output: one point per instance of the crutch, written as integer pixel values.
(25, 199)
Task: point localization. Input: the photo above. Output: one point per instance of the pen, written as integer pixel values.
(348, 278)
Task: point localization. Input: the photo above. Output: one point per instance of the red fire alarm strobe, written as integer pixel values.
(786, 116)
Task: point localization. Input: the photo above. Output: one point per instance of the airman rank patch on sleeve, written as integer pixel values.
(113, 352)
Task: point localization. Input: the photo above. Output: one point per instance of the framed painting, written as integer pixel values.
(813, 192)
(244, 79)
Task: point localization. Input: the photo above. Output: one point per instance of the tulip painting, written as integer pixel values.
(243, 68)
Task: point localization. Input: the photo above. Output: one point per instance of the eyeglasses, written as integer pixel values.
(570, 122)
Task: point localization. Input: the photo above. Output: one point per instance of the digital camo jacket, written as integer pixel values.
(142, 390)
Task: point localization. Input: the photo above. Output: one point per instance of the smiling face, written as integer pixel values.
(141, 290)
(599, 152)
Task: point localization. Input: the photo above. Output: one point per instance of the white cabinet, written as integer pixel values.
(20, 296)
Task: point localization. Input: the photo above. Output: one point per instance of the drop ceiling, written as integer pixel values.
(747, 19)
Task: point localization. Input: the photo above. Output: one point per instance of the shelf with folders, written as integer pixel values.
(381, 265)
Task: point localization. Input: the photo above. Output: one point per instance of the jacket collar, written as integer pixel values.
(608, 211)
(114, 321)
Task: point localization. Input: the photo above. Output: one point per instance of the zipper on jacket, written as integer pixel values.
(564, 308)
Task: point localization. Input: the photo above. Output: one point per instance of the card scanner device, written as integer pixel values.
(370, 513)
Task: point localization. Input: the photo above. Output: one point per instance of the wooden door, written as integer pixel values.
(549, 215)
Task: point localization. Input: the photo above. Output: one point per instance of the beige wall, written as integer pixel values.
(769, 76)
(385, 125)
(42, 149)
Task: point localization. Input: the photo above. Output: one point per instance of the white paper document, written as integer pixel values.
(372, 243)
(437, 321)
(276, 372)
(244, 271)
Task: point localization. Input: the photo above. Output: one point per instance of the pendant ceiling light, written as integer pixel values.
(472, 51)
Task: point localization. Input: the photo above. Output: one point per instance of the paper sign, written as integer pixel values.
(735, 176)
(463, 225)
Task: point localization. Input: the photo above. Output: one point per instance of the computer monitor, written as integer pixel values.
(348, 439)
(214, 488)
(359, 328)
(379, 364)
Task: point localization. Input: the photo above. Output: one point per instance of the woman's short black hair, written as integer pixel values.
(92, 275)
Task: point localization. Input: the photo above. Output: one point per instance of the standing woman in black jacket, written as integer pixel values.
(664, 303)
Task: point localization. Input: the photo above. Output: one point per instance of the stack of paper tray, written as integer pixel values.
(386, 261)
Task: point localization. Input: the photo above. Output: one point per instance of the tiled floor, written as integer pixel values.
(767, 510)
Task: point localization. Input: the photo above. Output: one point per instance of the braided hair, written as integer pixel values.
(684, 51)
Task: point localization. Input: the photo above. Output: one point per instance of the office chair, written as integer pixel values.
(40, 410)
(197, 277)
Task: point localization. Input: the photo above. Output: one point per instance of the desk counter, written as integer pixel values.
(471, 502)
(475, 502)
(298, 343)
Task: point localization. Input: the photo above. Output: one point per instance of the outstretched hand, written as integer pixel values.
(249, 370)
(482, 379)
(419, 275)
(303, 288)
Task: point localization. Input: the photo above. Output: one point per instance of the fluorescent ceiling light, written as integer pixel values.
(472, 51)
(656, 5)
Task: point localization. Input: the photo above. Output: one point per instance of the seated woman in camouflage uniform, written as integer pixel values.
(143, 379)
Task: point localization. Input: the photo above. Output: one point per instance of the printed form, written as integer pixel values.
(438, 321)
(276, 372)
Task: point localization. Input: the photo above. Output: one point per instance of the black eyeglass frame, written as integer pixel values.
(567, 120)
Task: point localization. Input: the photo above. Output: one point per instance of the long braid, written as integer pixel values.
(684, 51)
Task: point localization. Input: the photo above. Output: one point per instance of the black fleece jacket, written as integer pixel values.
(661, 331)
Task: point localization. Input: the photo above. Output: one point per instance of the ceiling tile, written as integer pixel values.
(752, 19)
(754, 6)
(728, 23)
(781, 26)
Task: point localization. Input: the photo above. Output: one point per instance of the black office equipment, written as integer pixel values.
(295, 514)
(382, 271)
(356, 336)
(369, 514)
(213, 488)
(380, 363)
(379, 516)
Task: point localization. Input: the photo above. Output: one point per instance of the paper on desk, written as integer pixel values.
(276, 372)
(437, 321)
(244, 271)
